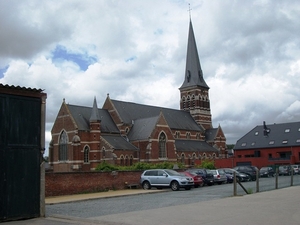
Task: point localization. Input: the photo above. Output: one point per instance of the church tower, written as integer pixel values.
(194, 92)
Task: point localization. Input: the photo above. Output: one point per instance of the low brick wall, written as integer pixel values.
(85, 182)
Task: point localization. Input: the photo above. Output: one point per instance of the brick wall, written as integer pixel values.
(85, 182)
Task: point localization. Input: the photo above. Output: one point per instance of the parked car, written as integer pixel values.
(250, 170)
(229, 178)
(242, 177)
(266, 172)
(207, 176)
(284, 170)
(219, 176)
(198, 181)
(296, 169)
(160, 178)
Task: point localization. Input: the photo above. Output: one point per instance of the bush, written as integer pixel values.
(104, 166)
(207, 164)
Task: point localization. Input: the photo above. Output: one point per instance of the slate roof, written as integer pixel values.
(210, 134)
(194, 145)
(193, 71)
(176, 119)
(82, 115)
(118, 142)
(142, 128)
(280, 135)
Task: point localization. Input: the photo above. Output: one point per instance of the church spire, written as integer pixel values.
(193, 72)
(95, 114)
(194, 92)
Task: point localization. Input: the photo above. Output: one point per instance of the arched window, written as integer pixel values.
(188, 135)
(177, 134)
(188, 101)
(162, 146)
(131, 160)
(103, 153)
(86, 152)
(193, 100)
(126, 160)
(122, 160)
(182, 158)
(63, 146)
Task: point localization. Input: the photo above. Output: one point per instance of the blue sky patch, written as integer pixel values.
(2, 71)
(130, 59)
(82, 60)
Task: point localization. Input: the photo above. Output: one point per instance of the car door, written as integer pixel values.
(163, 178)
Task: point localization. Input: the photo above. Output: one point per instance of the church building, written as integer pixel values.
(123, 133)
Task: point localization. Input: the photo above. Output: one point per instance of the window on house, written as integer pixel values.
(177, 134)
(256, 133)
(298, 140)
(287, 130)
(284, 142)
(198, 136)
(126, 160)
(182, 158)
(271, 142)
(162, 146)
(86, 152)
(63, 146)
(253, 143)
(243, 144)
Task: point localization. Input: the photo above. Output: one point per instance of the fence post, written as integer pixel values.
(257, 181)
(276, 180)
(292, 175)
(234, 184)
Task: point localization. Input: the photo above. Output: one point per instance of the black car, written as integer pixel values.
(250, 170)
(242, 177)
(266, 172)
(207, 176)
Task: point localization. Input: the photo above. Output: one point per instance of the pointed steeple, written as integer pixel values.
(95, 114)
(193, 72)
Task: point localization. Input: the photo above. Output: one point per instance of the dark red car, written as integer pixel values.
(198, 181)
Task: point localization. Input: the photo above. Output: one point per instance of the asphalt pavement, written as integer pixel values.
(276, 207)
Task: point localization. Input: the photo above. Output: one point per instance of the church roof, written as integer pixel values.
(142, 128)
(194, 145)
(271, 136)
(210, 134)
(82, 115)
(193, 71)
(118, 142)
(176, 119)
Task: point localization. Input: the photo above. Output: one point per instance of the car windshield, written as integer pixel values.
(221, 172)
(214, 172)
(173, 173)
(264, 169)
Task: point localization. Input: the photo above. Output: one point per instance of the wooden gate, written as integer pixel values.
(20, 155)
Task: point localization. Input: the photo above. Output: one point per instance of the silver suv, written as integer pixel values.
(160, 178)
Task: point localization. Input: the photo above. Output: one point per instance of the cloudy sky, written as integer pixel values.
(135, 51)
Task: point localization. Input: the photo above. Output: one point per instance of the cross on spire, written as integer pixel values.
(190, 10)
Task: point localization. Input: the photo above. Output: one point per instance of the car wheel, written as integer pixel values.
(175, 186)
(146, 185)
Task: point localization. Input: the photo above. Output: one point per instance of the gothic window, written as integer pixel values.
(131, 160)
(103, 153)
(177, 134)
(193, 100)
(188, 135)
(162, 146)
(63, 146)
(182, 158)
(197, 136)
(188, 101)
(126, 160)
(183, 102)
(122, 160)
(86, 152)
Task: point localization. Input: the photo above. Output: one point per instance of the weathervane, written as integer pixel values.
(190, 10)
